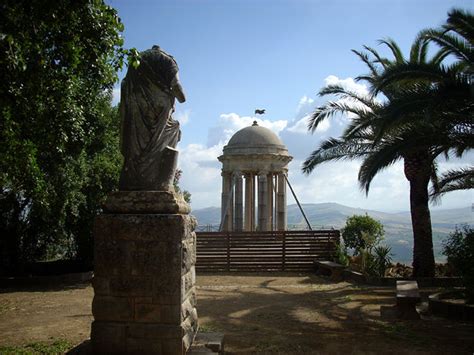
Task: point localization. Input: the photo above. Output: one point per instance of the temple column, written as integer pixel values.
(281, 202)
(249, 223)
(262, 203)
(226, 203)
(270, 202)
(239, 203)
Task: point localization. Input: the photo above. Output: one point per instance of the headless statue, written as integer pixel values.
(149, 133)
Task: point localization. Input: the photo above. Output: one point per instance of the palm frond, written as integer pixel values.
(395, 49)
(365, 58)
(434, 178)
(419, 50)
(462, 23)
(343, 93)
(367, 78)
(449, 104)
(362, 126)
(454, 45)
(383, 156)
(408, 73)
(330, 109)
(453, 180)
(378, 59)
(336, 149)
(438, 57)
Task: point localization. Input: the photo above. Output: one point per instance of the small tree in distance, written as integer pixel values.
(362, 232)
(186, 194)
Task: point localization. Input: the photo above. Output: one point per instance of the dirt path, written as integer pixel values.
(277, 313)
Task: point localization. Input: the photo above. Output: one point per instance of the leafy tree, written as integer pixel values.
(58, 63)
(459, 248)
(362, 232)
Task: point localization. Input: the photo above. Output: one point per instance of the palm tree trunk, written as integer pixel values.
(417, 171)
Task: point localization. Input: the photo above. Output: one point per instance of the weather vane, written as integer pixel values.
(259, 111)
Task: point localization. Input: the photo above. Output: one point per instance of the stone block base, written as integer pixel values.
(132, 338)
(144, 277)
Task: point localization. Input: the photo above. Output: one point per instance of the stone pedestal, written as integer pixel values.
(144, 275)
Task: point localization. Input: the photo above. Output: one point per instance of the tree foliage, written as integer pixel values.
(58, 132)
(185, 193)
(442, 92)
(418, 109)
(362, 232)
(459, 248)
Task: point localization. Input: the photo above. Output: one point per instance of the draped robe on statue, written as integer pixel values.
(149, 132)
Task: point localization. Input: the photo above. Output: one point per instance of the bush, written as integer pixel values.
(362, 232)
(341, 256)
(459, 249)
(382, 259)
(375, 261)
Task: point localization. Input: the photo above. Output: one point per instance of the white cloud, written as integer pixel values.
(229, 123)
(301, 126)
(326, 182)
(305, 104)
(348, 84)
(115, 96)
(182, 116)
(337, 182)
(235, 122)
(201, 173)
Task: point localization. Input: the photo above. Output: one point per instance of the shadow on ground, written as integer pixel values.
(309, 314)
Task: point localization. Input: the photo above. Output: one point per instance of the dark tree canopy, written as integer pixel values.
(58, 132)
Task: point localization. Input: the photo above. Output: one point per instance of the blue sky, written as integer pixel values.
(238, 55)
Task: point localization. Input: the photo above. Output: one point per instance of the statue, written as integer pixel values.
(149, 133)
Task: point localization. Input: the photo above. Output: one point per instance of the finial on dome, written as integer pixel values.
(255, 123)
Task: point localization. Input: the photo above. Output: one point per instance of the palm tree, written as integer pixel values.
(371, 137)
(447, 90)
(427, 111)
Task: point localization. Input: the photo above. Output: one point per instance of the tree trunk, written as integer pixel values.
(417, 171)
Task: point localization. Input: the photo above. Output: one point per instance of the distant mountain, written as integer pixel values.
(398, 233)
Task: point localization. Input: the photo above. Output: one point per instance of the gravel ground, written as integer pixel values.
(269, 313)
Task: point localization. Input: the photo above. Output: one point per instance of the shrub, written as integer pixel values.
(375, 261)
(382, 259)
(459, 249)
(341, 256)
(362, 232)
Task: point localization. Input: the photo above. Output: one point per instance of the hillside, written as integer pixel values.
(397, 225)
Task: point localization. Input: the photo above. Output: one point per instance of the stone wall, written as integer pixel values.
(144, 283)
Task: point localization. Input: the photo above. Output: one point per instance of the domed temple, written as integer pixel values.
(254, 165)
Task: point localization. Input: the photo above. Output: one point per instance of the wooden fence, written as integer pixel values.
(264, 251)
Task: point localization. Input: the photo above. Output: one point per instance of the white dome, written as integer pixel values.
(255, 140)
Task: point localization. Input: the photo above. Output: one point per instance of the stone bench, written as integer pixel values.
(333, 269)
(408, 296)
